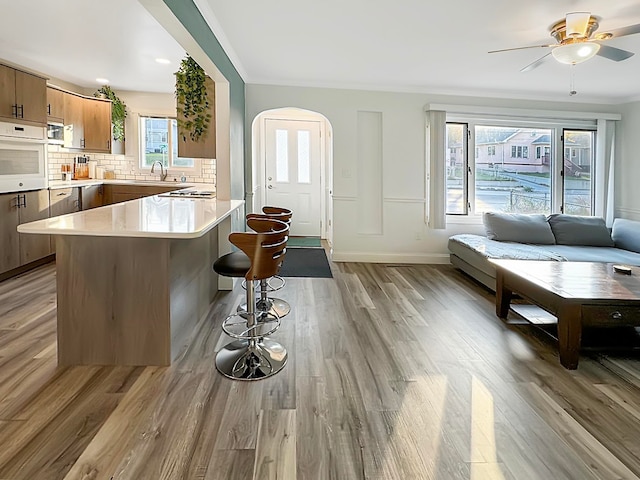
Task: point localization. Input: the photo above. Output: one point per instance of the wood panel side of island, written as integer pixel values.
(113, 301)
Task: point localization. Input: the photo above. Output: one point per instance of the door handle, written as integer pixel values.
(270, 179)
(270, 187)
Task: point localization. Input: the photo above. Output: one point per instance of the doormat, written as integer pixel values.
(310, 242)
(305, 262)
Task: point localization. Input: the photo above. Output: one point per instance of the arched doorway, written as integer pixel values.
(291, 167)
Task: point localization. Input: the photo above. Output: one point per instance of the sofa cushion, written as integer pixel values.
(518, 227)
(579, 230)
(626, 234)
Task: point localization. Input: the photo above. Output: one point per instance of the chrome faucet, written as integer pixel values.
(163, 174)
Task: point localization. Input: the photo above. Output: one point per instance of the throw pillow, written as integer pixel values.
(626, 234)
(578, 230)
(518, 227)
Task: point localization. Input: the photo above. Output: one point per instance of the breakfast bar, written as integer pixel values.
(134, 278)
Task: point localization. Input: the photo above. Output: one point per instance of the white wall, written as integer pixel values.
(627, 171)
(405, 237)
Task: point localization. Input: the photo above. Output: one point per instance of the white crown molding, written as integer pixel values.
(435, 90)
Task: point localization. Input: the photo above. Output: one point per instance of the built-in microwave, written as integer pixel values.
(23, 152)
(55, 133)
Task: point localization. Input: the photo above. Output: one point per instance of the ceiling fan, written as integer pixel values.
(577, 42)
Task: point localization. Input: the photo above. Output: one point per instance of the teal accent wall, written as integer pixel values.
(189, 15)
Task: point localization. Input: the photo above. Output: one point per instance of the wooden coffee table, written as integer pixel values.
(579, 294)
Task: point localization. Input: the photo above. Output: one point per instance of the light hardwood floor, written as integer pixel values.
(395, 372)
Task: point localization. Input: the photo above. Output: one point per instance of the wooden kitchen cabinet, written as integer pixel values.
(123, 193)
(73, 121)
(205, 147)
(55, 105)
(34, 206)
(9, 239)
(63, 201)
(23, 96)
(18, 249)
(97, 125)
(91, 196)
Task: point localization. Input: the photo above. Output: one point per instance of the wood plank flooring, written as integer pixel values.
(395, 372)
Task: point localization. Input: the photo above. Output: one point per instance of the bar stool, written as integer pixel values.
(266, 302)
(252, 356)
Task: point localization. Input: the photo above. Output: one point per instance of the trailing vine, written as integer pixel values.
(118, 111)
(193, 101)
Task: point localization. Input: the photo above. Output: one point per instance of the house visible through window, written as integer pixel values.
(159, 143)
(503, 178)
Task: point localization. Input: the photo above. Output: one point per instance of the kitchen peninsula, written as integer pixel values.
(134, 278)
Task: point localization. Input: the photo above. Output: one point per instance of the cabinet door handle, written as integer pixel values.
(62, 194)
(14, 112)
(49, 109)
(82, 143)
(21, 111)
(108, 144)
(24, 200)
(18, 201)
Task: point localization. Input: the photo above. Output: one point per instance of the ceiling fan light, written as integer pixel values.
(576, 24)
(573, 53)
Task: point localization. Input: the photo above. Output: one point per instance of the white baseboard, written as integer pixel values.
(410, 258)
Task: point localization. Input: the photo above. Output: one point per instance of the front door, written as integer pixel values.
(293, 172)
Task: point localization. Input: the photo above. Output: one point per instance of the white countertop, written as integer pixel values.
(55, 184)
(149, 217)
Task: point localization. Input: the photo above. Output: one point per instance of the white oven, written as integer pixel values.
(23, 152)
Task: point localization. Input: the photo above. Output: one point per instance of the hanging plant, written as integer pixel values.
(118, 111)
(193, 101)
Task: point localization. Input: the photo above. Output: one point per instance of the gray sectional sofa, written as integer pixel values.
(537, 237)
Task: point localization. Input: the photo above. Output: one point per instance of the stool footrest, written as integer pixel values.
(277, 306)
(236, 325)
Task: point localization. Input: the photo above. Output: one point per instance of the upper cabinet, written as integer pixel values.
(87, 123)
(55, 105)
(205, 147)
(73, 121)
(23, 96)
(97, 125)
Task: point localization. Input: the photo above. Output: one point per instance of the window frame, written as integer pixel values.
(196, 169)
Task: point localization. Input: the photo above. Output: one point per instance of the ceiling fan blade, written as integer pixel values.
(536, 64)
(628, 30)
(577, 23)
(521, 48)
(613, 53)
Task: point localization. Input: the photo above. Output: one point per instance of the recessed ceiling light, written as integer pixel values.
(163, 61)
(102, 81)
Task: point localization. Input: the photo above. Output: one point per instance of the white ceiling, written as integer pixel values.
(80, 40)
(437, 46)
(402, 45)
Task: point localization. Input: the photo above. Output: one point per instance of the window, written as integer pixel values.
(520, 151)
(159, 143)
(503, 178)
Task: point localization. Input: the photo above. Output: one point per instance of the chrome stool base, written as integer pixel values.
(250, 359)
(274, 306)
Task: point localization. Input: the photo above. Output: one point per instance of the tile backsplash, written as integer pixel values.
(124, 166)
